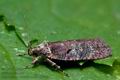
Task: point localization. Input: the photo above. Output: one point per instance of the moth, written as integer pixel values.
(70, 50)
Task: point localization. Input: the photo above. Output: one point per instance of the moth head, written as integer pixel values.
(31, 51)
(40, 50)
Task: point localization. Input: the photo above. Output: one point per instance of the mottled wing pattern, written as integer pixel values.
(90, 49)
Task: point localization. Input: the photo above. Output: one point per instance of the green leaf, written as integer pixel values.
(54, 20)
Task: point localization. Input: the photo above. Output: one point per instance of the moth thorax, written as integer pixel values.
(45, 49)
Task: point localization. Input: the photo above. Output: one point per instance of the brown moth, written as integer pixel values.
(70, 50)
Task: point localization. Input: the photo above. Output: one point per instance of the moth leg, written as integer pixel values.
(86, 63)
(53, 64)
(35, 59)
(18, 54)
(29, 66)
(56, 66)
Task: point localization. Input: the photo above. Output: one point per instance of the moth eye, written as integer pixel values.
(35, 53)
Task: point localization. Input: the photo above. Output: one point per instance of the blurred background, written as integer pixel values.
(54, 20)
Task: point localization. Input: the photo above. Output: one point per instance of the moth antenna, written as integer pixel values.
(30, 45)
